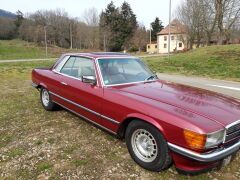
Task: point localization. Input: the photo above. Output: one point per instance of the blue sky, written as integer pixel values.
(146, 10)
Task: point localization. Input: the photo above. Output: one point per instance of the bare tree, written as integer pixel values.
(7, 28)
(91, 18)
(190, 13)
(227, 12)
(209, 19)
(140, 38)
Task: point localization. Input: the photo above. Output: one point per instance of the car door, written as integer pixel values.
(81, 98)
(54, 78)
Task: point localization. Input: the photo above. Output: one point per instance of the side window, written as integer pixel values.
(78, 67)
(60, 65)
(68, 67)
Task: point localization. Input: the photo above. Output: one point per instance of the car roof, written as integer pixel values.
(100, 54)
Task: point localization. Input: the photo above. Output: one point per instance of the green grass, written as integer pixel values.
(44, 166)
(18, 49)
(222, 62)
(36, 144)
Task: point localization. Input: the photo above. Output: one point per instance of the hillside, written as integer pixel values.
(221, 62)
(18, 49)
(7, 14)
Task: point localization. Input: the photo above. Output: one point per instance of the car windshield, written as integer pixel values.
(121, 71)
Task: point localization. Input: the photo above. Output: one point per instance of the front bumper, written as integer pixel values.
(211, 156)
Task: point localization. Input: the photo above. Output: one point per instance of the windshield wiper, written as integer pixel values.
(151, 77)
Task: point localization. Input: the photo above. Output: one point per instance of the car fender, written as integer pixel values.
(147, 119)
(41, 84)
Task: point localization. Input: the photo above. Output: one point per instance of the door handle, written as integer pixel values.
(63, 83)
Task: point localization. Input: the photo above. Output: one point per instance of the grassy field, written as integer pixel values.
(221, 62)
(35, 143)
(18, 49)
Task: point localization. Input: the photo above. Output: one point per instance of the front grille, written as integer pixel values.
(233, 132)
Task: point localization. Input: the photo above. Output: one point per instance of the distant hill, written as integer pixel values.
(7, 14)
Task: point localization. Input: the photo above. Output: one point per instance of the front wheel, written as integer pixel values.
(147, 146)
(46, 100)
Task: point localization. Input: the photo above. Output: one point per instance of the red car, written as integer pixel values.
(162, 122)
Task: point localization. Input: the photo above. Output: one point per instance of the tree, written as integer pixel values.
(191, 14)
(91, 18)
(209, 19)
(18, 21)
(128, 24)
(139, 39)
(117, 26)
(7, 28)
(156, 27)
(108, 26)
(227, 13)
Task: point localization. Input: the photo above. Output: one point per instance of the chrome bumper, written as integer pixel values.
(34, 85)
(212, 156)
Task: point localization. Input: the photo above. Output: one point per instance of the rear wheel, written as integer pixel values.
(147, 146)
(46, 100)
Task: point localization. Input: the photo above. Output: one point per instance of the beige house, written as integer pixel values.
(152, 48)
(177, 37)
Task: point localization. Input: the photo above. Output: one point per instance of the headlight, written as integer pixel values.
(215, 138)
(202, 141)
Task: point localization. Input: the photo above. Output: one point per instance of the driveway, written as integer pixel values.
(229, 88)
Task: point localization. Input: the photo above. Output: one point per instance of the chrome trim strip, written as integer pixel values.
(232, 124)
(82, 107)
(99, 72)
(86, 118)
(206, 157)
(110, 119)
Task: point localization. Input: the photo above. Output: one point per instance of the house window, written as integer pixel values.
(156, 46)
(165, 45)
(148, 46)
(165, 38)
(180, 45)
(172, 38)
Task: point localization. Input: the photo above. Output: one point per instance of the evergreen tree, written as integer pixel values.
(156, 27)
(19, 18)
(18, 21)
(117, 26)
(128, 25)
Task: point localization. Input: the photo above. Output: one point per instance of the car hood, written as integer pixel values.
(214, 106)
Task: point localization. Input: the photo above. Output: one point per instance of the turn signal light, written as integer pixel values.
(195, 140)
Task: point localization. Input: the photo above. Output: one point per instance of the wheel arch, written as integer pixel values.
(42, 85)
(136, 116)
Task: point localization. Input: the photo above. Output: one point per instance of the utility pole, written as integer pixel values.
(80, 43)
(104, 43)
(71, 44)
(169, 27)
(45, 37)
(150, 38)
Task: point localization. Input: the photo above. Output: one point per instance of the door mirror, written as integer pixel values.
(89, 79)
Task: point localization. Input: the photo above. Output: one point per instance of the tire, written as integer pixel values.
(153, 154)
(46, 100)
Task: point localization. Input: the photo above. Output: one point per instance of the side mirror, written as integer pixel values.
(89, 79)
